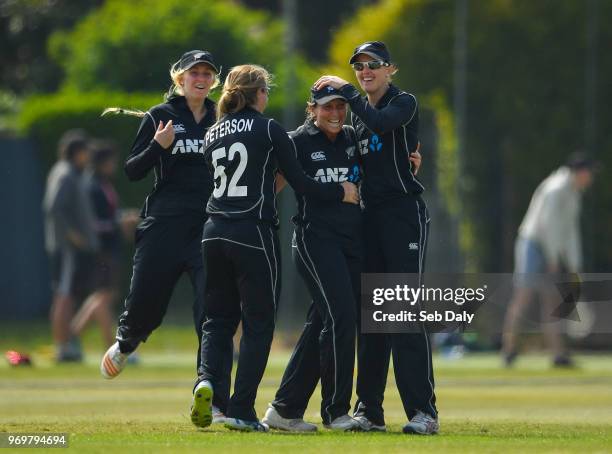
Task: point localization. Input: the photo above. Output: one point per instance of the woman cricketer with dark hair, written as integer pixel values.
(396, 224)
(240, 245)
(169, 143)
(328, 254)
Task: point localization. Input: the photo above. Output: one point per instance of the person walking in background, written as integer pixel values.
(167, 241)
(240, 245)
(396, 226)
(70, 239)
(548, 242)
(110, 227)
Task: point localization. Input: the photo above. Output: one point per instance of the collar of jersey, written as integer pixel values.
(245, 111)
(313, 130)
(181, 103)
(390, 93)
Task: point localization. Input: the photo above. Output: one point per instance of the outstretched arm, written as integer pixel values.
(284, 149)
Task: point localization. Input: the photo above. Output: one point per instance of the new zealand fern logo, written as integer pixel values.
(375, 143)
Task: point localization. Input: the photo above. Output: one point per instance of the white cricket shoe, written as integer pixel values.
(245, 426)
(366, 425)
(344, 423)
(275, 421)
(113, 361)
(201, 407)
(218, 417)
(422, 424)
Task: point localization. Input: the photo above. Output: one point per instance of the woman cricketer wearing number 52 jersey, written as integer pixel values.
(240, 246)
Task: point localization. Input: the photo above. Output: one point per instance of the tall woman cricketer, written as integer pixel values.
(240, 246)
(396, 224)
(169, 143)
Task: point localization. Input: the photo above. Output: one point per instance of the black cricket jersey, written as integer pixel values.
(387, 134)
(183, 182)
(327, 162)
(244, 151)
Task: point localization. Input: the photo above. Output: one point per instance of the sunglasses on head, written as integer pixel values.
(374, 64)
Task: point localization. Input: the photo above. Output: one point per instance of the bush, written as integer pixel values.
(45, 118)
(131, 45)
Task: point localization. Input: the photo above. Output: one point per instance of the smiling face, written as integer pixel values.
(373, 80)
(197, 81)
(330, 117)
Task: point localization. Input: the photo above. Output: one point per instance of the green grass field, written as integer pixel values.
(483, 408)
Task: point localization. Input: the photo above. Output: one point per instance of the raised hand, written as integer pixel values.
(164, 134)
(328, 80)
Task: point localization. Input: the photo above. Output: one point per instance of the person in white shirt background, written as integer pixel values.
(548, 242)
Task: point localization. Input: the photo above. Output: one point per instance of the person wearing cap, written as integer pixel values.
(328, 254)
(70, 239)
(240, 245)
(548, 242)
(167, 241)
(396, 225)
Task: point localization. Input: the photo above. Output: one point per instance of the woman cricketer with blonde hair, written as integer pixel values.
(169, 144)
(396, 227)
(240, 247)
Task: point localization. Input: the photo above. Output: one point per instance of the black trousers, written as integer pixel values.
(166, 247)
(396, 241)
(326, 348)
(241, 283)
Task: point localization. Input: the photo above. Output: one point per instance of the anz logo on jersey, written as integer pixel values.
(332, 174)
(355, 174)
(338, 174)
(188, 146)
(372, 145)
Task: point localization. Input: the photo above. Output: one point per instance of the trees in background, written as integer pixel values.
(120, 54)
(532, 92)
(526, 102)
(25, 26)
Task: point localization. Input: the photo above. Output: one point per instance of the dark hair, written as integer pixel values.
(71, 143)
(580, 159)
(101, 152)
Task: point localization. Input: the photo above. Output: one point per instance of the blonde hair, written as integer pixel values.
(176, 74)
(240, 88)
(122, 111)
(394, 72)
(310, 106)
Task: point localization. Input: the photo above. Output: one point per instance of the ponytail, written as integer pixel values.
(240, 88)
(122, 111)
